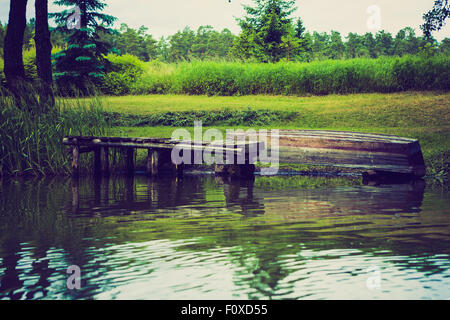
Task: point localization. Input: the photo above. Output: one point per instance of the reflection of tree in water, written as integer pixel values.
(29, 224)
(261, 255)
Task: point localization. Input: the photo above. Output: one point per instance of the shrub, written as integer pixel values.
(29, 63)
(126, 71)
(180, 119)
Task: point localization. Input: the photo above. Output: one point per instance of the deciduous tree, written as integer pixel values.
(435, 18)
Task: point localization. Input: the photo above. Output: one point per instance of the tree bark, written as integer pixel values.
(14, 69)
(43, 55)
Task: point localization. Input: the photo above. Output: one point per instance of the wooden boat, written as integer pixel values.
(373, 153)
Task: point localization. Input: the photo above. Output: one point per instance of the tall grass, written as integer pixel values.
(31, 142)
(363, 75)
(129, 75)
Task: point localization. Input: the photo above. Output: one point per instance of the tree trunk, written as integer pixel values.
(14, 69)
(83, 18)
(43, 55)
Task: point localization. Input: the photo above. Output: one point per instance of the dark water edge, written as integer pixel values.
(203, 237)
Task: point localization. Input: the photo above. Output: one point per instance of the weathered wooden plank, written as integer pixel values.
(155, 143)
(344, 134)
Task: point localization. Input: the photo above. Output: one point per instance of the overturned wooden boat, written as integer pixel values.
(374, 154)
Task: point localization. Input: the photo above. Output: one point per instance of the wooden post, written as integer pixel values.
(104, 155)
(130, 160)
(75, 161)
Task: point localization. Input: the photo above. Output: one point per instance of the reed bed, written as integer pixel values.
(31, 142)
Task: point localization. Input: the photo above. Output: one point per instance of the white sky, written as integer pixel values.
(165, 17)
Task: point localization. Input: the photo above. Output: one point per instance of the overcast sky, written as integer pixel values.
(165, 17)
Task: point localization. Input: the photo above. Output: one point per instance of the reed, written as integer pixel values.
(31, 141)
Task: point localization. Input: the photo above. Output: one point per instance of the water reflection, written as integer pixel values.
(202, 237)
(145, 194)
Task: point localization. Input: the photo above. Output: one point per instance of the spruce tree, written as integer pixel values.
(82, 63)
(264, 29)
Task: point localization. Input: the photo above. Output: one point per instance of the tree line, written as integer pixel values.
(208, 44)
(269, 33)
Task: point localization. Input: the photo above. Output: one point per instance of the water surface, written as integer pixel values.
(203, 237)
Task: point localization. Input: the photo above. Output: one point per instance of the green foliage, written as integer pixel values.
(29, 63)
(444, 46)
(384, 74)
(2, 73)
(435, 18)
(267, 31)
(416, 73)
(2, 38)
(157, 79)
(127, 70)
(32, 143)
(83, 62)
(186, 118)
(131, 41)
(305, 182)
(322, 77)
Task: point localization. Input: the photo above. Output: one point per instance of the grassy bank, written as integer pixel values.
(420, 115)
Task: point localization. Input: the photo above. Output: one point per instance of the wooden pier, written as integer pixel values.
(376, 155)
(159, 150)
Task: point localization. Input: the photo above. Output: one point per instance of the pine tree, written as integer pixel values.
(83, 62)
(264, 28)
(300, 29)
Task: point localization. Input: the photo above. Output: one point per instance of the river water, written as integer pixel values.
(203, 237)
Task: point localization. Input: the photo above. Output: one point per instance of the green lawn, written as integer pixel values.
(317, 104)
(421, 115)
